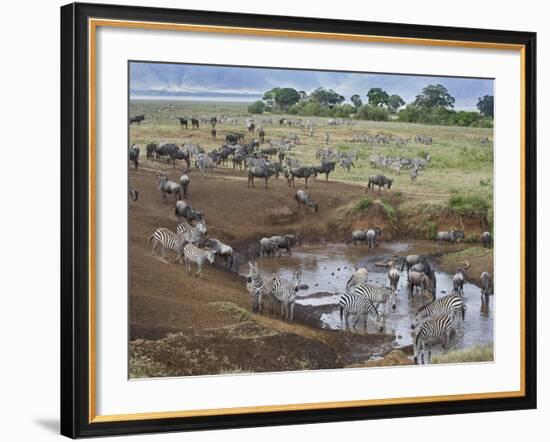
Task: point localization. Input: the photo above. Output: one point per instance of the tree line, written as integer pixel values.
(433, 105)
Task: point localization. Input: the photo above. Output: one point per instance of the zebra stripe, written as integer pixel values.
(432, 328)
(166, 239)
(189, 233)
(257, 285)
(377, 295)
(285, 292)
(447, 305)
(192, 253)
(357, 304)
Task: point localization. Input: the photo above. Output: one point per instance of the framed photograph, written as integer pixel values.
(276, 220)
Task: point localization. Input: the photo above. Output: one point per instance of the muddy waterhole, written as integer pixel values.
(327, 267)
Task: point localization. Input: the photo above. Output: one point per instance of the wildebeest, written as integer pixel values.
(286, 242)
(486, 239)
(151, 151)
(264, 172)
(134, 155)
(485, 284)
(268, 247)
(184, 182)
(299, 172)
(358, 235)
(326, 167)
(421, 281)
(184, 211)
(222, 250)
(213, 121)
(261, 134)
(410, 260)
(167, 186)
(380, 181)
(250, 126)
(304, 198)
(452, 236)
(213, 133)
(234, 138)
(194, 123)
(424, 266)
(183, 122)
(137, 119)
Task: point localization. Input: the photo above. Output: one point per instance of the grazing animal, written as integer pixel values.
(373, 235)
(257, 285)
(285, 293)
(414, 174)
(190, 234)
(486, 239)
(261, 134)
(440, 326)
(191, 253)
(357, 304)
(204, 163)
(304, 198)
(194, 123)
(184, 182)
(326, 167)
(422, 281)
(137, 119)
(347, 163)
(286, 242)
(166, 186)
(448, 236)
(360, 276)
(378, 295)
(485, 284)
(151, 151)
(447, 305)
(134, 155)
(213, 133)
(222, 250)
(268, 247)
(299, 172)
(393, 276)
(184, 211)
(134, 194)
(380, 181)
(458, 281)
(183, 122)
(260, 172)
(358, 235)
(166, 239)
(411, 260)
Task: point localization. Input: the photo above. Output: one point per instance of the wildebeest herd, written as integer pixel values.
(437, 318)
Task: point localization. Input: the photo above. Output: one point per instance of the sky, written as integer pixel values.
(224, 83)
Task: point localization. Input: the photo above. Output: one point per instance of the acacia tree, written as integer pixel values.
(356, 100)
(378, 97)
(326, 97)
(434, 96)
(282, 97)
(394, 103)
(486, 105)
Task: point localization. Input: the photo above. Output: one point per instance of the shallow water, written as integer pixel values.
(326, 269)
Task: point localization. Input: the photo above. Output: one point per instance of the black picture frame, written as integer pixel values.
(75, 194)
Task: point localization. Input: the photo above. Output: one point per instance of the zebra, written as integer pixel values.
(486, 239)
(166, 239)
(440, 326)
(184, 182)
(371, 238)
(285, 292)
(192, 253)
(204, 163)
(458, 281)
(393, 276)
(378, 295)
(446, 305)
(414, 174)
(257, 286)
(357, 304)
(191, 234)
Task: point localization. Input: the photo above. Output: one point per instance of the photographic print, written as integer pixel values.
(287, 220)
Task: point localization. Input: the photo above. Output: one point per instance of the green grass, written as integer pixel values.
(233, 310)
(482, 353)
(460, 165)
(362, 205)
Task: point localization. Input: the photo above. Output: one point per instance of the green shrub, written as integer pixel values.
(362, 205)
(468, 205)
(373, 113)
(258, 107)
